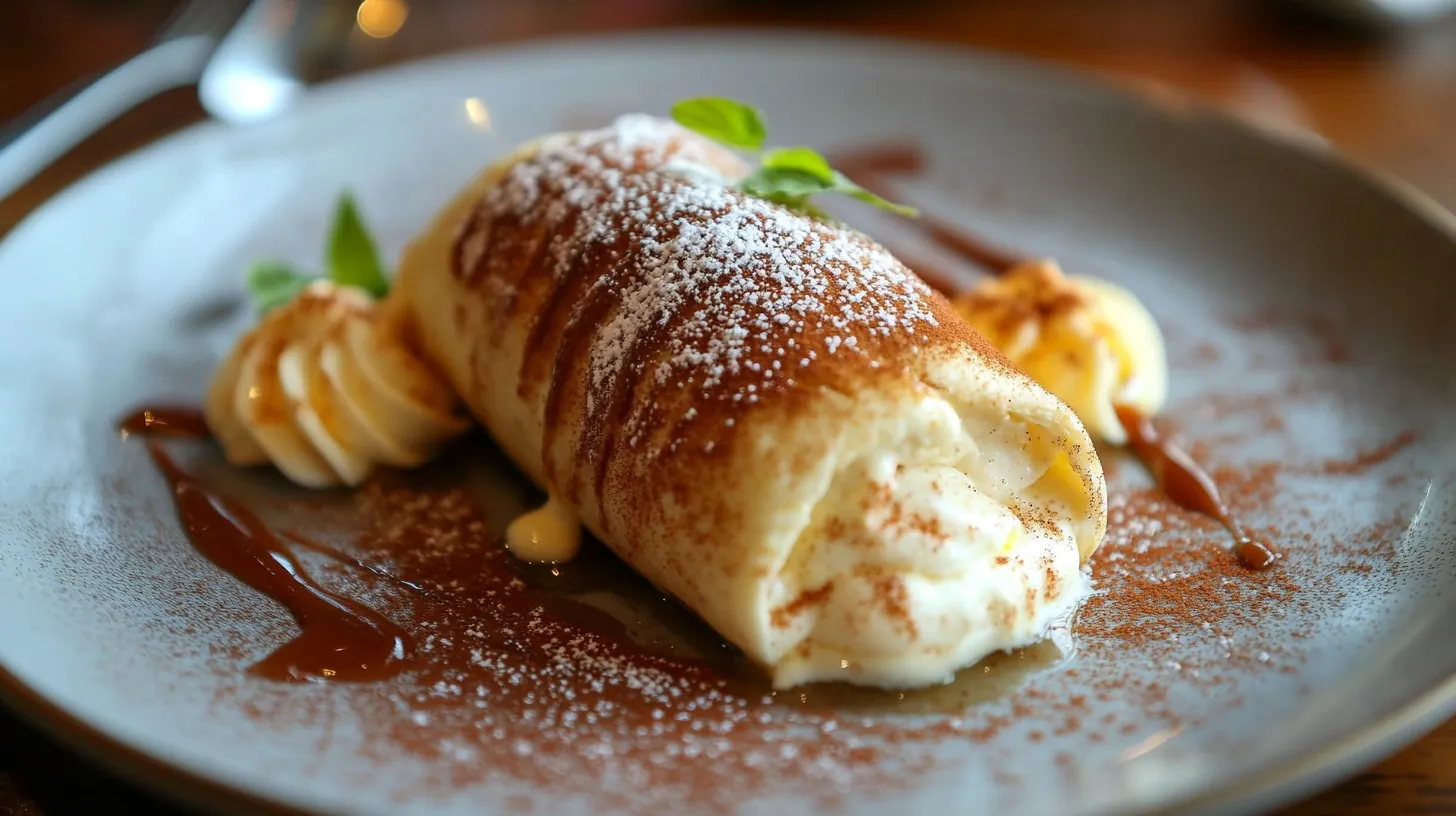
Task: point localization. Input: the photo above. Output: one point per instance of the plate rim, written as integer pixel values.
(1289, 780)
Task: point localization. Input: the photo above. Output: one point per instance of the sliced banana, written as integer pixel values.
(237, 441)
(326, 390)
(409, 397)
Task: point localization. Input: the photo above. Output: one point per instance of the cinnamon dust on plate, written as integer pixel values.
(581, 679)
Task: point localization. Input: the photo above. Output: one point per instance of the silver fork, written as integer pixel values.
(176, 58)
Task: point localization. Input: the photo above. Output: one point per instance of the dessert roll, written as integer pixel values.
(762, 411)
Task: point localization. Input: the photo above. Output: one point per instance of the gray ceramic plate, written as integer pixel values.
(1308, 318)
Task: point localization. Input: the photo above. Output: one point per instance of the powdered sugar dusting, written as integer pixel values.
(733, 287)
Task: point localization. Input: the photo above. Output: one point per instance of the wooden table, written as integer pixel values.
(1389, 101)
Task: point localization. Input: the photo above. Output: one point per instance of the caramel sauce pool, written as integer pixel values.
(340, 639)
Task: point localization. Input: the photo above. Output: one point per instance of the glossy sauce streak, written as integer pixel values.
(868, 168)
(166, 421)
(342, 557)
(341, 639)
(1188, 485)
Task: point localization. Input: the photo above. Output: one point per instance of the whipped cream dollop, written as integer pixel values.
(327, 387)
(1090, 342)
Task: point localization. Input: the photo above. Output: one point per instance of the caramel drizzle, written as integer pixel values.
(869, 168)
(340, 639)
(1189, 486)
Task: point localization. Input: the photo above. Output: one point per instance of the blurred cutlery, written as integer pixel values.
(259, 67)
(248, 60)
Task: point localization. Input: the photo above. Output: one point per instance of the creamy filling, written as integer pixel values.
(919, 562)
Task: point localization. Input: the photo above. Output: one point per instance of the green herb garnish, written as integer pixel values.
(801, 159)
(273, 283)
(351, 260)
(722, 120)
(787, 175)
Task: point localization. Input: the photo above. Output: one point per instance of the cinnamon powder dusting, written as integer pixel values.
(1368, 459)
(581, 679)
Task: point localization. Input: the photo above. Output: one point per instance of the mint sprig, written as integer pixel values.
(803, 159)
(351, 259)
(787, 175)
(849, 188)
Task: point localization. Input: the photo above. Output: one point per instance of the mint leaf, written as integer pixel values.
(352, 258)
(793, 186)
(722, 120)
(273, 283)
(804, 160)
(786, 185)
(842, 184)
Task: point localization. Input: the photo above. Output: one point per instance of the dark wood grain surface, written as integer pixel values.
(1387, 99)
